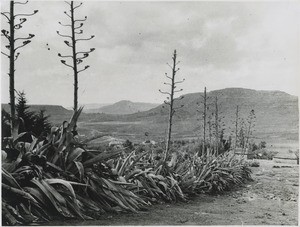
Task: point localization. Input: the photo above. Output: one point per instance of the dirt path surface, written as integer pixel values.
(271, 199)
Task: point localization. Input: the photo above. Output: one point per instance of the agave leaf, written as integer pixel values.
(42, 150)
(118, 165)
(36, 193)
(10, 179)
(64, 183)
(75, 208)
(137, 159)
(173, 181)
(10, 218)
(134, 172)
(120, 183)
(3, 155)
(70, 198)
(157, 176)
(80, 169)
(145, 185)
(33, 144)
(173, 160)
(115, 188)
(19, 192)
(75, 154)
(48, 191)
(69, 138)
(122, 169)
(116, 199)
(74, 118)
(17, 214)
(101, 158)
(90, 204)
(61, 140)
(164, 185)
(55, 167)
(143, 172)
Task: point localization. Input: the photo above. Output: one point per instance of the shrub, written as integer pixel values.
(253, 163)
(262, 154)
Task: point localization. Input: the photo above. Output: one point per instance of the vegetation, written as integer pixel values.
(26, 121)
(260, 151)
(13, 46)
(57, 176)
(204, 118)
(172, 109)
(253, 163)
(76, 56)
(51, 172)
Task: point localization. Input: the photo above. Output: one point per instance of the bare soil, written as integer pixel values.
(271, 199)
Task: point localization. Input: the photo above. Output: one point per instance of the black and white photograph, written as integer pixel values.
(150, 113)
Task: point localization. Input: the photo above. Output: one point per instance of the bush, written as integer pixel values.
(253, 164)
(262, 154)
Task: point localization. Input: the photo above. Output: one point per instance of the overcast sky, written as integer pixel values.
(220, 44)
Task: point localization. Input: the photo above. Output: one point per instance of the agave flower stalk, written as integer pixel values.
(172, 99)
(71, 41)
(13, 46)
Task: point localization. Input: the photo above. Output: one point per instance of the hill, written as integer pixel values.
(123, 107)
(276, 115)
(57, 114)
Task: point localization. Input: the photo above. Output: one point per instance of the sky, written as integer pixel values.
(219, 44)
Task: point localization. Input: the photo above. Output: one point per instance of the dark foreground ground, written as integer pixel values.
(272, 199)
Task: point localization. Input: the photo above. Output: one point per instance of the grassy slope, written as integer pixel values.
(276, 115)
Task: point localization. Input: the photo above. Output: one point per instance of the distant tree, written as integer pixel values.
(262, 144)
(171, 99)
(30, 121)
(41, 123)
(13, 46)
(25, 116)
(72, 40)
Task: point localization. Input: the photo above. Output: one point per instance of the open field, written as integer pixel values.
(271, 199)
(135, 131)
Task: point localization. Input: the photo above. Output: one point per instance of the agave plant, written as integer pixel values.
(56, 176)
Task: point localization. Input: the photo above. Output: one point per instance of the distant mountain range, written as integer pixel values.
(122, 107)
(88, 106)
(277, 114)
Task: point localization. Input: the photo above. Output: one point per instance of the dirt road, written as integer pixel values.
(272, 199)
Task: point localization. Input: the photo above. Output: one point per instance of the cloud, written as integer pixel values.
(219, 44)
